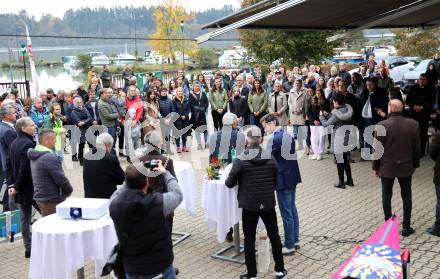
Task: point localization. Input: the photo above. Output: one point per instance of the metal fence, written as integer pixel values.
(22, 87)
(165, 76)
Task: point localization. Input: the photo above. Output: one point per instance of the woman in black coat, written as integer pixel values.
(82, 119)
(199, 105)
(181, 107)
(238, 106)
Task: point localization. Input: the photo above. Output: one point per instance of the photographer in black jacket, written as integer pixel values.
(256, 178)
(139, 215)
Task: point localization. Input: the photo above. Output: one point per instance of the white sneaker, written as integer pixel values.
(312, 157)
(319, 157)
(287, 251)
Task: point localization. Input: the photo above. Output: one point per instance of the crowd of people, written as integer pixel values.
(303, 104)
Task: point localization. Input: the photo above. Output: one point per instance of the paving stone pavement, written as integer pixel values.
(342, 216)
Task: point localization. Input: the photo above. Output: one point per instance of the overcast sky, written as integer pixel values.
(58, 7)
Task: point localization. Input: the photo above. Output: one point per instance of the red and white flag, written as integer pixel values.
(32, 63)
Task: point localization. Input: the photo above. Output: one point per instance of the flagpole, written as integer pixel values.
(32, 62)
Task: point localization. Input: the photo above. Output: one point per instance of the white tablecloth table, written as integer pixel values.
(60, 246)
(187, 182)
(221, 207)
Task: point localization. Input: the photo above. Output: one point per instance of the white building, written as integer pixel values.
(232, 58)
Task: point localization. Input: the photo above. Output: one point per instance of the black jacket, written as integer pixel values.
(139, 220)
(313, 111)
(199, 105)
(434, 152)
(102, 176)
(165, 106)
(83, 115)
(238, 106)
(182, 109)
(423, 97)
(378, 100)
(21, 176)
(93, 114)
(256, 180)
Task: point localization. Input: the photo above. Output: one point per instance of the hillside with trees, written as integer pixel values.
(99, 22)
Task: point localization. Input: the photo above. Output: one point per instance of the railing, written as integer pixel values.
(22, 87)
(165, 76)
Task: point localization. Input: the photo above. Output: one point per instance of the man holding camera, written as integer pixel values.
(139, 215)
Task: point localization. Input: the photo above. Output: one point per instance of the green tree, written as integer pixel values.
(416, 42)
(206, 58)
(84, 61)
(292, 47)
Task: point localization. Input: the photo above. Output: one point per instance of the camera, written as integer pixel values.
(151, 164)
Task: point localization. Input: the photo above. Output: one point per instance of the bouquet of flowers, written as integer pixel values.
(213, 168)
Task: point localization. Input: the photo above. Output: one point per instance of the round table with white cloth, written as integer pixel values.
(187, 182)
(221, 207)
(61, 246)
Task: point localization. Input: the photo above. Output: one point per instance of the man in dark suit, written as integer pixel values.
(7, 136)
(92, 106)
(21, 186)
(373, 107)
(102, 171)
(401, 156)
(420, 100)
(283, 153)
(244, 90)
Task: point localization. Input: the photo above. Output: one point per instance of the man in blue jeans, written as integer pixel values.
(283, 153)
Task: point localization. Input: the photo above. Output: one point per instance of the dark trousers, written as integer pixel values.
(250, 220)
(5, 199)
(366, 122)
(309, 134)
(112, 132)
(183, 141)
(405, 191)
(26, 218)
(217, 118)
(121, 138)
(437, 208)
(423, 129)
(343, 165)
(81, 150)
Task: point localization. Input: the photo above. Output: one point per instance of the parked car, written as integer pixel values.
(412, 77)
(398, 66)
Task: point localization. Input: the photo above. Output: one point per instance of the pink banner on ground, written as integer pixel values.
(384, 238)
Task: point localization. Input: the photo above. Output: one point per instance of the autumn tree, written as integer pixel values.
(168, 17)
(418, 42)
(292, 47)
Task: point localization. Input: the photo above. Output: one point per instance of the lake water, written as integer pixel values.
(56, 78)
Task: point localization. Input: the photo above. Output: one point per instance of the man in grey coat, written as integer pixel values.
(51, 186)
